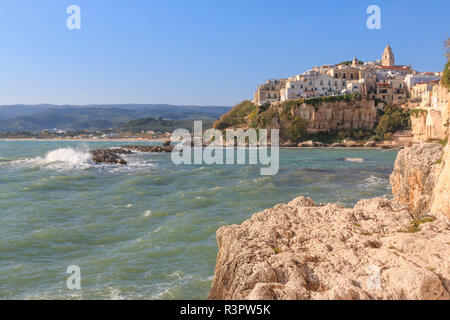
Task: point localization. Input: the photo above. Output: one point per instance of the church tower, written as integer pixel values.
(388, 57)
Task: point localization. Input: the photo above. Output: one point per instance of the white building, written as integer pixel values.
(412, 79)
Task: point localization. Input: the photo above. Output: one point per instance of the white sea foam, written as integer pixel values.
(147, 213)
(357, 160)
(64, 159)
(374, 182)
(115, 294)
(68, 159)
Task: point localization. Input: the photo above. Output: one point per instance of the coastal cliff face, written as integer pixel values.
(376, 250)
(421, 179)
(441, 197)
(327, 114)
(333, 116)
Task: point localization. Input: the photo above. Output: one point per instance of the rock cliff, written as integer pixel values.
(380, 249)
(421, 179)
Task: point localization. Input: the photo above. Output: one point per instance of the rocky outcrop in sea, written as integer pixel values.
(113, 155)
(379, 249)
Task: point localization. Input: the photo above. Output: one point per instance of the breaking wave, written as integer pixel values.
(68, 159)
(64, 159)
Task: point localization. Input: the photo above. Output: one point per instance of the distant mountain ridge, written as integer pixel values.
(17, 118)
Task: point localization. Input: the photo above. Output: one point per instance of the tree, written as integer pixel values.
(298, 129)
(392, 120)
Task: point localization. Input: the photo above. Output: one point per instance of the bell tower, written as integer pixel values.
(388, 57)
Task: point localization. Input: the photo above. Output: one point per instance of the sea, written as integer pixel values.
(147, 230)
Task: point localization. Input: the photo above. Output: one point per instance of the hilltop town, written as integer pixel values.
(351, 96)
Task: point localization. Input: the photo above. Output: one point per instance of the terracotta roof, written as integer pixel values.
(395, 68)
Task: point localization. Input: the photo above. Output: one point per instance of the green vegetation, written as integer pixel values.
(443, 142)
(392, 120)
(236, 116)
(415, 225)
(277, 250)
(417, 112)
(318, 101)
(446, 75)
(298, 130)
(348, 62)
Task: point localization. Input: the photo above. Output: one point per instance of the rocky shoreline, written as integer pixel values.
(380, 249)
(344, 144)
(114, 155)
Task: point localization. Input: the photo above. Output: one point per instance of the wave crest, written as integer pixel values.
(61, 159)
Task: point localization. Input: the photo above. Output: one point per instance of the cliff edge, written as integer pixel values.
(380, 249)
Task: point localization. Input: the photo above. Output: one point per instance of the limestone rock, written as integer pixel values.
(337, 145)
(303, 251)
(351, 143)
(414, 176)
(308, 144)
(441, 197)
(107, 156)
(289, 144)
(370, 144)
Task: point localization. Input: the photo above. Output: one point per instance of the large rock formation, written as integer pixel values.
(440, 204)
(113, 155)
(334, 116)
(421, 179)
(414, 176)
(376, 250)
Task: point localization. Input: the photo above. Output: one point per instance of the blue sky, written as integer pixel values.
(202, 52)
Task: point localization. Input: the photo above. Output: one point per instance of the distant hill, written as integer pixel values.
(146, 124)
(19, 118)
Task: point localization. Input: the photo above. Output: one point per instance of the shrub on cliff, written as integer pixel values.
(298, 130)
(393, 120)
(446, 75)
(235, 116)
(263, 119)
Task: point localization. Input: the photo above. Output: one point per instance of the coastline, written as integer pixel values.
(89, 140)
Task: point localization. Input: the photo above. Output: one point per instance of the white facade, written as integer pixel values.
(413, 79)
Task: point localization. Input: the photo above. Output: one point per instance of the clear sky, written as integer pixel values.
(202, 52)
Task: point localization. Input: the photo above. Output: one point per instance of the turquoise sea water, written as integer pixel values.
(147, 231)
